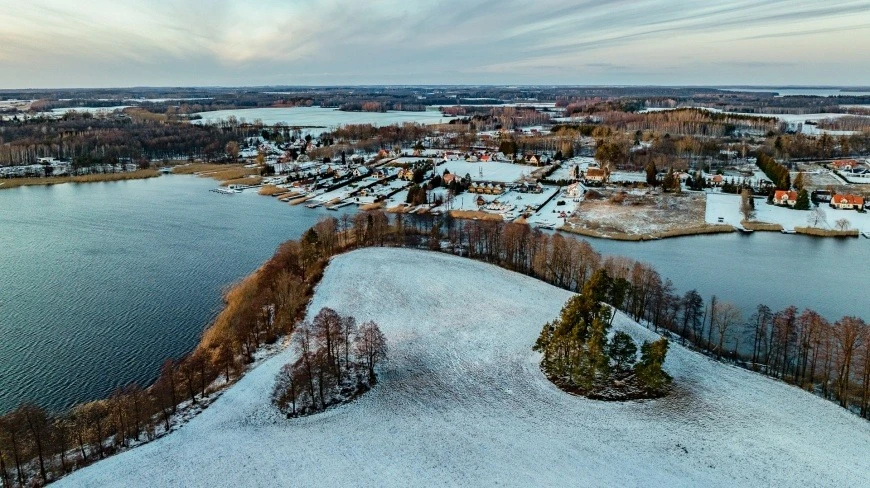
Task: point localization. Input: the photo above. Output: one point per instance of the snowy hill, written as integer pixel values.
(463, 402)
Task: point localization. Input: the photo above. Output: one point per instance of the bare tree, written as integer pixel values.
(371, 346)
(726, 315)
(848, 332)
(843, 224)
(817, 217)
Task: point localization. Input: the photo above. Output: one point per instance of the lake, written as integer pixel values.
(798, 91)
(103, 281)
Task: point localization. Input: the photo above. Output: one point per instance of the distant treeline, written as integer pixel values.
(87, 140)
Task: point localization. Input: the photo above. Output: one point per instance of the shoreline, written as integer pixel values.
(142, 174)
(654, 236)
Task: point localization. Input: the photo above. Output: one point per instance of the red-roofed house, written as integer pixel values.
(845, 164)
(595, 175)
(847, 202)
(785, 198)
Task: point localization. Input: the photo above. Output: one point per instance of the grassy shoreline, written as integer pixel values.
(620, 236)
(141, 174)
(761, 226)
(812, 231)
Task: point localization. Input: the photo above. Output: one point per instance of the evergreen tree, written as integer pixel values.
(649, 369)
(622, 350)
(651, 172)
(803, 201)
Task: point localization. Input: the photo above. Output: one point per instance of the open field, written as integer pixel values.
(141, 174)
(639, 215)
(489, 171)
(462, 401)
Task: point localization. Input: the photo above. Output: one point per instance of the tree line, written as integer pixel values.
(88, 141)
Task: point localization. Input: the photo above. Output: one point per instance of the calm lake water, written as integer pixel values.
(101, 282)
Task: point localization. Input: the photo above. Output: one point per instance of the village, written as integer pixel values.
(578, 194)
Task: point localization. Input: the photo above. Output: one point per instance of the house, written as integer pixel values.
(361, 171)
(534, 159)
(717, 180)
(486, 188)
(847, 202)
(845, 164)
(406, 174)
(785, 198)
(574, 191)
(484, 158)
(448, 178)
(595, 175)
(382, 173)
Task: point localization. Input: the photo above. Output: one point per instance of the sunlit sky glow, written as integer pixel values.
(107, 43)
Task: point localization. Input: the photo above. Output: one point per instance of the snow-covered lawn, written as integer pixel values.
(492, 171)
(462, 402)
(727, 206)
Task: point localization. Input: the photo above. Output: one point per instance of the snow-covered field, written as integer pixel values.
(462, 402)
(491, 171)
(727, 206)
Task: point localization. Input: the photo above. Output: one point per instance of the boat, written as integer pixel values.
(866, 234)
(314, 205)
(788, 231)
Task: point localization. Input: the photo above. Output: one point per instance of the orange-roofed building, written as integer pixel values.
(847, 202)
(785, 198)
(845, 164)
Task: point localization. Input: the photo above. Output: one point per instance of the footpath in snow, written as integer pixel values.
(462, 401)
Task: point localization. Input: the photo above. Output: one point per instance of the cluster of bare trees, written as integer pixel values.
(336, 363)
(807, 350)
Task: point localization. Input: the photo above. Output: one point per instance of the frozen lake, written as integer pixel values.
(321, 118)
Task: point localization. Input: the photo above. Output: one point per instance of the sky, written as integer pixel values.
(120, 43)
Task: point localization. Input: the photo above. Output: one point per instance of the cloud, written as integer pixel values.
(232, 42)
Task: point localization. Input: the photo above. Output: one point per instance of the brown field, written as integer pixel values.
(272, 190)
(475, 214)
(227, 174)
(243, 180)
(372, 206)
(193, 168)
(95, 178)
(639, 216)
